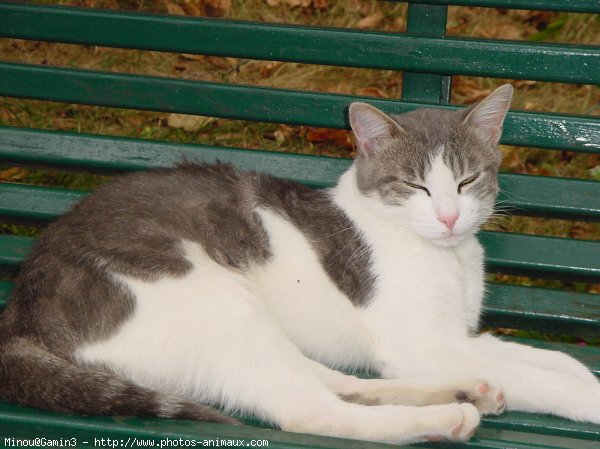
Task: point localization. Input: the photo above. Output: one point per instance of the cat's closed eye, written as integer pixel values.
(466, 182)
(418, 187)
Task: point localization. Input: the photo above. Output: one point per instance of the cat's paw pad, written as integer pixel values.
(488, 399)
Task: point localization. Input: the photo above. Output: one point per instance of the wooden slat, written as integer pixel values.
(521, 194)
(523, 255)
(582, 6)
(519, 307)
(517, 430)
(542, 309)
(503, 59)
(261, 104)
(537, 256)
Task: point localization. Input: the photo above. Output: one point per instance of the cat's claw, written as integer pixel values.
(488, 399)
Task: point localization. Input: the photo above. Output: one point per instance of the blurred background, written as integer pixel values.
(390, 17)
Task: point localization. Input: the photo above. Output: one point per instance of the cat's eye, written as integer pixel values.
(418, 187)
(466, 182)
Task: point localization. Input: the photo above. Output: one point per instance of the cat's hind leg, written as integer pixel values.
(417, 391)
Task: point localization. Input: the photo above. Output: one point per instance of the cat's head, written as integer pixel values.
(434, 171)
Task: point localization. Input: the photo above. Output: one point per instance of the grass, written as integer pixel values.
(385, 16)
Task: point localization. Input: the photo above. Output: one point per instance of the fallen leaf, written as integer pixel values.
(220, 62)
(338, 136)
(370, 21)
(372, 91)
(273, 2)
(189, 122)
(216, 8)
(267, 69)
(524, 83)
(192, 10)
(297, 3)
(175, 9)
(320, 5)
(13, 174)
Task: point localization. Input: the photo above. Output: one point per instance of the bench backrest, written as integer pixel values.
(427, 58)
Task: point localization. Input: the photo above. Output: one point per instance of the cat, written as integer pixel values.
(173, 291)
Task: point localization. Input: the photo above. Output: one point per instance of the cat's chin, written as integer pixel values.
(449, 241)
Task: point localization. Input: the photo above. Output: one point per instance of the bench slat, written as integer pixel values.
(261, 104)
(582, 6)
(22, 422)
(254, 40)
(518, 307)
(496, 431)
(537, 256)
(521, 194)
(542, 309)
(524, 255)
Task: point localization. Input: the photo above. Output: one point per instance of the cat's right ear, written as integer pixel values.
(369, 125)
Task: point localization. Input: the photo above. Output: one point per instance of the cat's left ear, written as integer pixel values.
(488, 115)
(370, 125)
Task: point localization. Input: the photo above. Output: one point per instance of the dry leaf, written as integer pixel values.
(273, 2)
(321, 5)
(372, 91)
(221, 63)
(192, 57)
(13, 174)
(370, 21)
(216, 8)
(192, 10)
(189, 122)
(338, 136)
(296, 3)
(267, 69)
(175, 9)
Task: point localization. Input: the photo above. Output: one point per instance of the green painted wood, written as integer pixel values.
(542, 309)
(538, 256)
(5, 289)
(426, 20)
(518, 307)
(254, 103)
(543, 424)
(521, 194)
(583, 6)
(549, 197)
(520, 430)
(35, 203)
(524, 255)
(503, 59)
(21, 422)
(14, 249)
(588, 355)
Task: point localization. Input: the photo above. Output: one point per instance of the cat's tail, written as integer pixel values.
(30, 375)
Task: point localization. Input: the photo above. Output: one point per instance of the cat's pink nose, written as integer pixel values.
(448, 220)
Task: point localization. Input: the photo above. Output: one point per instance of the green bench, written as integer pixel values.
(427, 61)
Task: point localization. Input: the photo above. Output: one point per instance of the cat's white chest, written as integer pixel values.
(306, 304)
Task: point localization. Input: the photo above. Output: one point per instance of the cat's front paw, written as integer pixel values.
(464, 423)
(488, 399)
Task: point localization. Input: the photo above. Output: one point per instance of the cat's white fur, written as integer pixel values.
(259, 342)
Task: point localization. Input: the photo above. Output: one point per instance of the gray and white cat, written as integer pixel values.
(167, 292)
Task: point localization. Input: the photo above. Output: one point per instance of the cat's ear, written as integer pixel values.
(488, 115)
(369, 125)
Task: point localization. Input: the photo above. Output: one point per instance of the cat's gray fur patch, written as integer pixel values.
(408, 156)
(66, 293)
